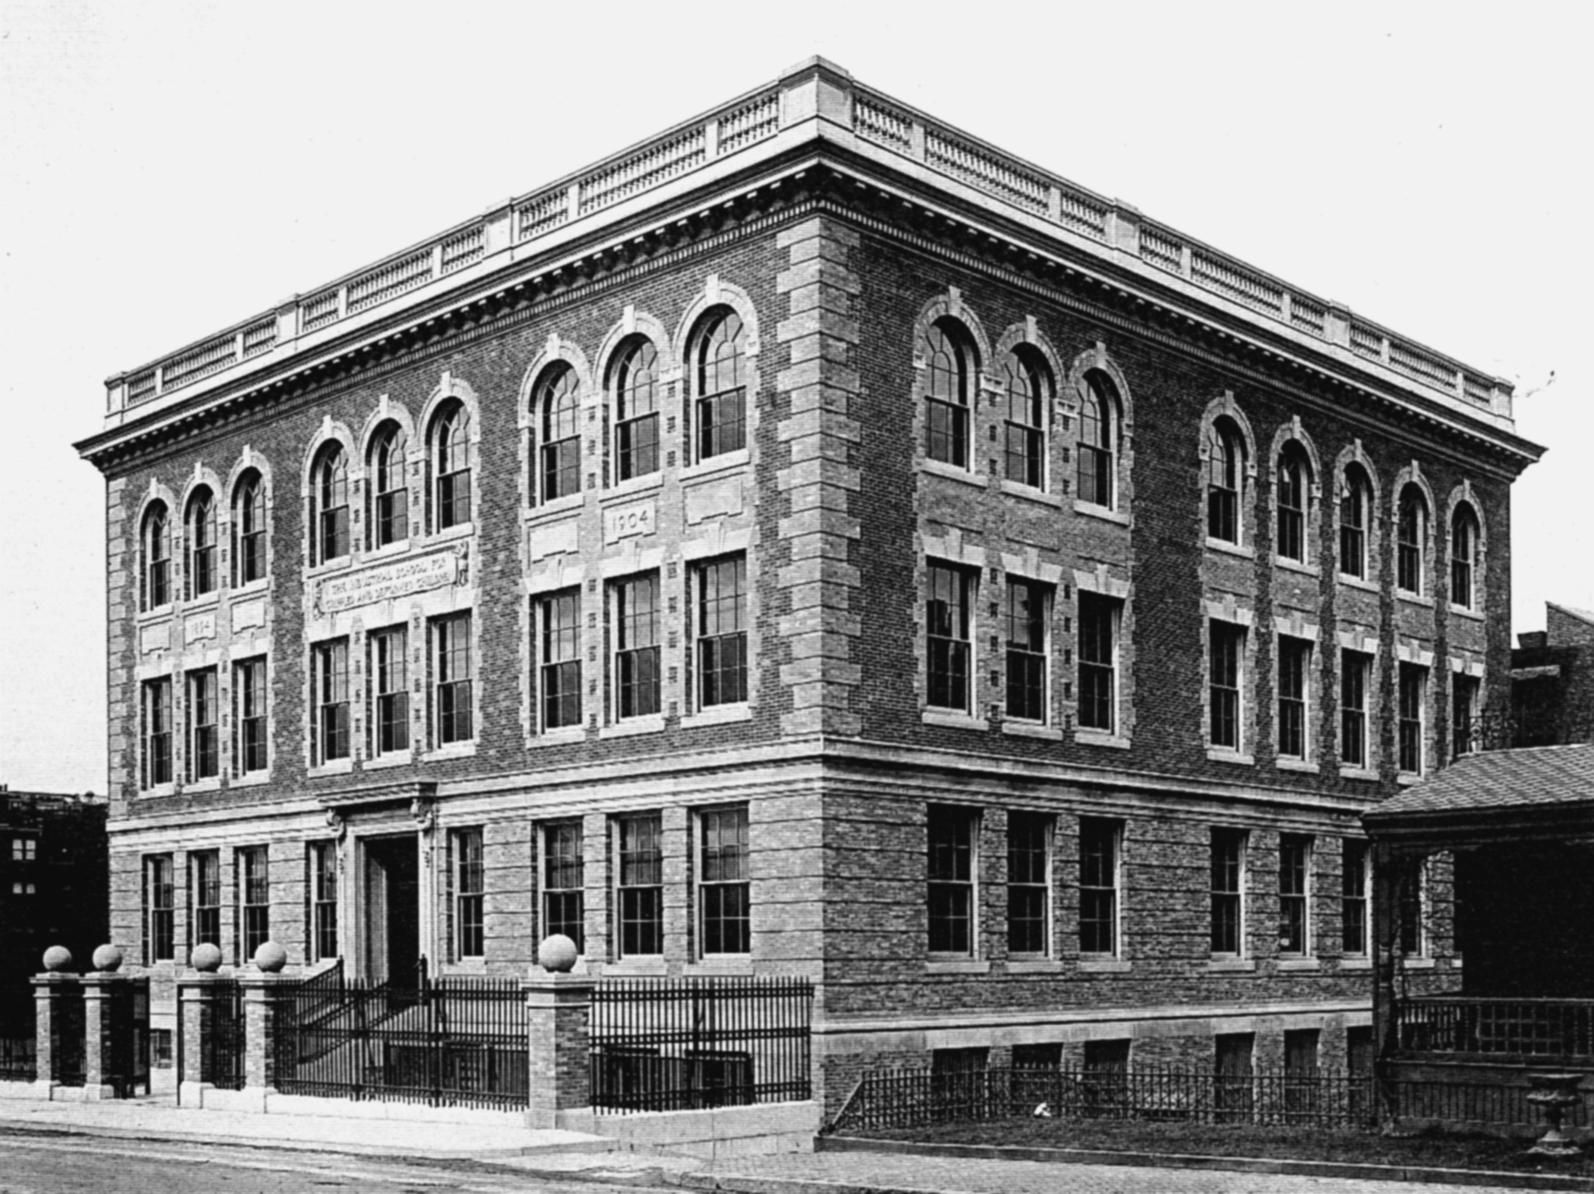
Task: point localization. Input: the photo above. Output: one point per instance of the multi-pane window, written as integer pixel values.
(636, 645)
(323, 934)
(391, 689)
(1353, 898)
(249, 529)
(951, 879)
(558, 406)
(1095, 470)
(1355, 519)
(1023, 438)
(249, 716)
(1228, 891)
(947, 642)
(1024, 619)
(390, 501)
(723, 890)
(204, 877)
(559, 639)
(1225, 665)
(946, 406)
(1355, 682)
(453, 677)
(156, 714)
(451, 466)
(1293, 494)
(1028, 883)
(722, 631)
(469, 937)
(331, 691)
(1464, 727)
(1409, 907)
(564, 882)
(1098, 661)
(636, 411)
(1463, 552)
(1412, 699)
(155, 545)
(1295, 868)
(1098, 885)
(254, 907)
(719, 362)
(1225, 476)
(24, 849)
(1411, 535)
(201, 543)
(639, 880)
(203, 711)
(331, 490)
(159, 921)
(1294, 671)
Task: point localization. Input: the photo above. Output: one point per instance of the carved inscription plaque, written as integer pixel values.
(199, 626)
(621, 523)
(386, 582)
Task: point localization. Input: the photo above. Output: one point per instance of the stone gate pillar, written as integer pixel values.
(108, 1046)
(558, 1025)
(58, 1043)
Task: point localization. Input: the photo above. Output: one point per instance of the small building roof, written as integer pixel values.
(1497, 791)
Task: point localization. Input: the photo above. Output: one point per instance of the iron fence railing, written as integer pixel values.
(674, 1044)
(1526, 1028)
(66, 1034)
(18, 1055)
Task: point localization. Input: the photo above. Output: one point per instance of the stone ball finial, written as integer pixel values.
(270, 958)
(205, 958)
(108, 959)
(58, 959)
(557, 954)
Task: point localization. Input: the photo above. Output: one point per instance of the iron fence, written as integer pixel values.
(66, 1034)
(127, 1059)
(1527, 1028)
(676, 1044)
(18, 1056)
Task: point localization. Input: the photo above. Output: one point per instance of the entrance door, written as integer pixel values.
(392, 911)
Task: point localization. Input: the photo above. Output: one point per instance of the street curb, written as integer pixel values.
(1340, 1169)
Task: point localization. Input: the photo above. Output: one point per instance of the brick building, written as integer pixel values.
(1552, 680)
(811, 541)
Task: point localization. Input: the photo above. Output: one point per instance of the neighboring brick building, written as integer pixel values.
(813, 541)
(1552, 681)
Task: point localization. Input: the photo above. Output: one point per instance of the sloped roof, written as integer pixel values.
(1572, 611)
(1532, 778)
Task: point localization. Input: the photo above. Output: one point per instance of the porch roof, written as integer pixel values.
(1535, 790)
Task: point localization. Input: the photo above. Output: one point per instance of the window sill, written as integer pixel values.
(329, 567)
(253, 780)
(381, 762)
(1357, 582)
(1032, 729)
(1357, 772)
(632, 486)
(1221, 965)
(717, 464)
(158, 790)
(460, 530)
(1356, 963)
(198, 787)
(1100, 738)
(1220, 754)
(452, 750)
(203, 602)
(957, 966)
(161, 613)
(387, 551)
(652, 724)
(1224, 547)
(1303, 766)
(255, 588)
(550, 511)
(1414, 598)
(1471, 615)
(718, 715)
(1284, 563)
(559, 736)
(951, 472)
(1104, 966)
(1029, 493)
(1104, 513)
(1406, 778)
(1031, 964)
(952, 720)
(336, 767)
(716, 964)
(1300, 965)
(647, 965)
(1419, 963)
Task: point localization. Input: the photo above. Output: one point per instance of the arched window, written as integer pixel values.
(330, 490)
(1463, 557)
(946, 421)
(1411, 540)
(635, 382)
(559, 458)
(1225, 480)
(1294, 499)
(390, 506)
(155, 544)
(451, 466)
(201, 537)
(1098, 434)
(249, 529)
(719, 364)
(1355, 520)
(1025, 379)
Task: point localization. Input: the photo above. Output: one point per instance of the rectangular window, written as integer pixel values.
(24, 849)
(1301, 1095)
(1295, 667)
(204, 878)
(1353, 898)
(560, 639)
(1413, 700)
(454, 676)
(390, 682)
(723, 891)
(1355, 676)
(1295, 870)
(1409, 908)
(204, 725)
(640, 881)
(157, 718)
(323, 901)
(1464, 728)
(722, 423)
(1226, 666)
(951, 880)
(332, 700)
(1228, 892)
(254, 908)
(1098, 661)
(722, 632)
(469, 941)
(1045, 1056)
(1029, 883)
(636, 656)
(249, 716)
(159, 925)
(1232, 1087)
(1025, 620)
(564, 882)
(1099, 844)
(946, 629)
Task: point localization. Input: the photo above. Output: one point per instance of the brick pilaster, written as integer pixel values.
(558, 1023)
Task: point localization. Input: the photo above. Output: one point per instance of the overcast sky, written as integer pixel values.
(169, 168)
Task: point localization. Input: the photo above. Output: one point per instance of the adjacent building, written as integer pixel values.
(811, 541)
